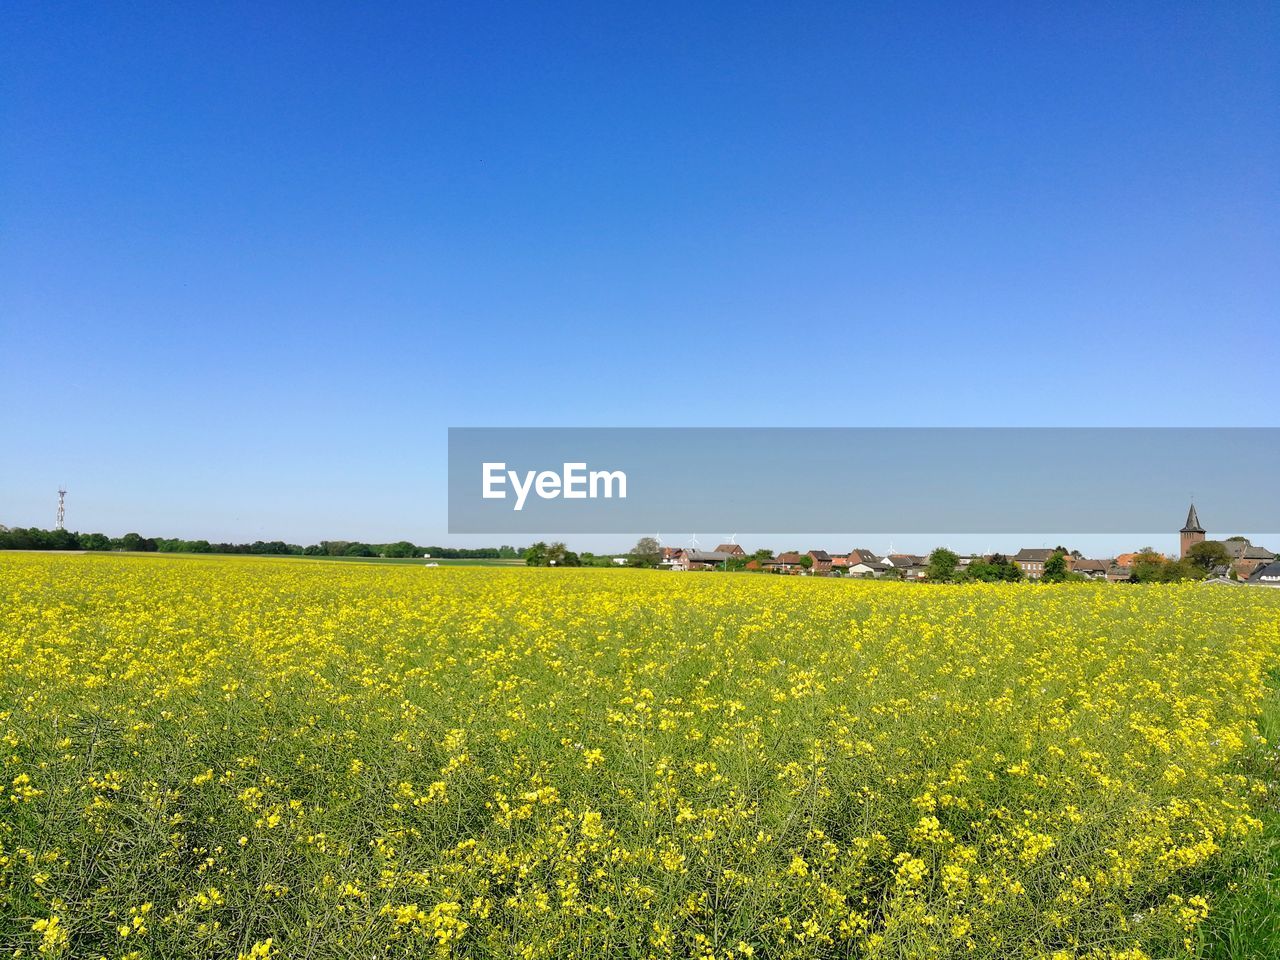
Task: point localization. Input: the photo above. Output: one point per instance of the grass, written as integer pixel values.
(422, 561)
(405, 561)
(1246, 922)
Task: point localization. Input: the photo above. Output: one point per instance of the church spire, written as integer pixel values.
(1193, 522)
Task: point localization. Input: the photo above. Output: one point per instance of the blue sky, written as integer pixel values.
(255, 259)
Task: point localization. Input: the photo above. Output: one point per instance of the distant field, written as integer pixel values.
(410, 561)
(208, 757)
(421, 561)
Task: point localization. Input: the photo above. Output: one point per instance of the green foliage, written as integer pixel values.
(1055, 568)
(1178, 570)
(401, 548)
(1151, 567)
(1209, 554)
(942, 566)
(134, 542)
(646, 553)
(33, 538)
(999, 569)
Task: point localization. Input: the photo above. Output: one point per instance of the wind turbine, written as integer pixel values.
(733, 539)
(693, 541)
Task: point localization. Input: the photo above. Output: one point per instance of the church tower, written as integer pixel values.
(1192, 532)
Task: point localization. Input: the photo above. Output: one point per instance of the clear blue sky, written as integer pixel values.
(256, 258)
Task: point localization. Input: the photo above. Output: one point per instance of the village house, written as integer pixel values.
(902, 560)
(705, 559)
(1093, 569)
(680, 559)
(732, 549)
(864, 568)
(821, 562)
(784, 563)
(908, 566)
(1268, 576)
(1118, 572)
(1246, 558)
(673, 558)
(1031, 561)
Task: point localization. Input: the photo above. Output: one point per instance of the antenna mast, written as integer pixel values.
(62, 508)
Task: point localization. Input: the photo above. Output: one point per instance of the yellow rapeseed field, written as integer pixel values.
(281, 758)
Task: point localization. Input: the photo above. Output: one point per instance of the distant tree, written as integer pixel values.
(942, 565)
(358, 550)
(762, 555)
(646, 553)
(535, 555)
(63, 540)
(556, 553)
(984, 572)
(806, 561)
(1176, 570)
(1055, 568)
(1209, 554)
(130, 541)
(1148, 567)
(20, 539)
(94, 541)
(400, 549)
(998, 569)
(569, 559)
(1186, 570)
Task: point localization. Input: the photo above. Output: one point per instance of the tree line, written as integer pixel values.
(34, 538)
